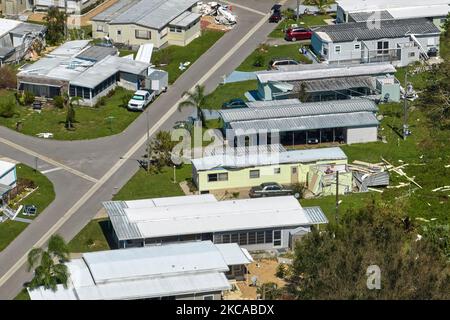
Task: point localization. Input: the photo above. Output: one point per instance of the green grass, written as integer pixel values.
(23, 295)
(41, 198)
(174, 55)
(144, 185)
(90, 123)
(124, 52)
(91, 238)
(282, 51)
(426, 151)
(228, 91)
(304, 20)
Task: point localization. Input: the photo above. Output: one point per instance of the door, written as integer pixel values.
(294, 175)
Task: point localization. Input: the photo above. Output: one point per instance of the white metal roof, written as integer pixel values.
(425, 11)
(172, 269)
(170, 201)
(6, 166)
(264, 159)
(321, 72)
(6, 25)
(221, 216)
(365, 5)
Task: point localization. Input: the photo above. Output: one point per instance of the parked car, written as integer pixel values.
(140, 100)
(276, 14)
(269, 189)
(298, 33)
(234, 104)
(275, 63)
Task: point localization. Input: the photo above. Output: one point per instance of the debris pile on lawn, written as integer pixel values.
(222, 14)
(367, 175)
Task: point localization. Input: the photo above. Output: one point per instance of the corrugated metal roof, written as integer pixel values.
(273, 103)
(387, 29)
(140, 263)
(315, 215)
(265, 159)
(154, 14)
(306, 123)
(298, 110)
(329, 72)
(371, 15)
(26, 27)
(335, 84)
(97, 53)
(115, 10)
(426, 11)
(185, 19)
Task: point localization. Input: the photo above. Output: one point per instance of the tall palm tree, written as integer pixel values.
(49, 267)
(195, 99)
(69, 104)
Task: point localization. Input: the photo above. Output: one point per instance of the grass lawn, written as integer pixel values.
(91, 122)
(426, 152)
(23, 295)
(306, 20)
(225, 92)
(91, 238)
(41, 198)
(283, 51)
(173, 55)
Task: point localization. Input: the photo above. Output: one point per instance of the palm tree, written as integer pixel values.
(49, 267)
(69, 103)
(195, 99)
(322, 5)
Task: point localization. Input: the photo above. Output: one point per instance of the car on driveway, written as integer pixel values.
(140, 100)
(270, 189)
(276, 15)
(234, 104)
(276, 62)
(298, 33)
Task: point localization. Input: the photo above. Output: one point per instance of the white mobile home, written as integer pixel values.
(399, 42)
(362, 10)
(182, 271)
(8, 178)
(255, 224)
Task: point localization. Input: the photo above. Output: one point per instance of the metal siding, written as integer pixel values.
(358, 135)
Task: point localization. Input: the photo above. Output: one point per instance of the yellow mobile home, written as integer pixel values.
(233, 172)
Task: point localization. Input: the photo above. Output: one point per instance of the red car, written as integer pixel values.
(298, 33)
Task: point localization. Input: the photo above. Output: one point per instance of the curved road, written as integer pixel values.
(85, 173)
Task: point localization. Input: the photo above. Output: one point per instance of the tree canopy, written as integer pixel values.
(332, 264)
(55, 21)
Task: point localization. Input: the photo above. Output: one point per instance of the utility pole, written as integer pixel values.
(298, 9)
(337, 197)
(405, 109)
(65, 19)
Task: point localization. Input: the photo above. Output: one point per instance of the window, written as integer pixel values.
(176, 29)
(325, 51)
(277, 238)
(337, 49)
(119, 32)
(234, 238)
(251, 237)
(412, 54)
(293, 170)
(225, 238)
(383, 47)
(208, 297)
(357, 46)
(100, 28)
(268, 236)
(243, 239)
(276, 170)
(254, 174)
(260, 237)
(143, 34)
(213, 177)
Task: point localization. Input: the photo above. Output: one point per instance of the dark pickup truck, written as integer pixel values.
(270, 189)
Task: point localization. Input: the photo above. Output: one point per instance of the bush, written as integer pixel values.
(281, 271)
(8, 78)
(258, 61)
(7, 107)
(58, 102)
(298, 190)
(28, 97)
(100, 102)
(111, 93)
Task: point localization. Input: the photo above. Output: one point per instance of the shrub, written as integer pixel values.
(28, 97)
(258, 61)
(7, 107)
(100, 102)
(111, 93)
(58, 102)
(281, 271)
(8, 78)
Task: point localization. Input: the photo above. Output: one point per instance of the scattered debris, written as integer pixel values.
(222, 13)
(368, 175)
(45, 135)
(443, 188)
(401, 173)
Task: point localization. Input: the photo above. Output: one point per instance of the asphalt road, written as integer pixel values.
(89, 172)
